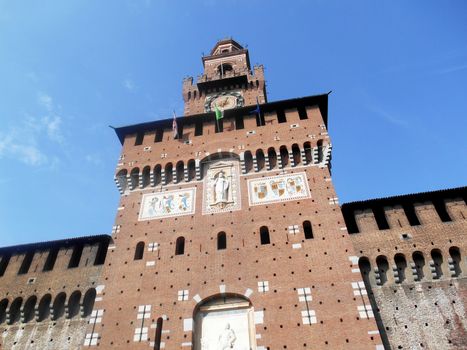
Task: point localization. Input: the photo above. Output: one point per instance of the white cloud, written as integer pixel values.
(389, 117)
(129, 84)
(45, 101)
(94, 159)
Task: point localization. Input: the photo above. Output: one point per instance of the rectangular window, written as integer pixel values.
(159, 135)
(139, 138)
(199, 129)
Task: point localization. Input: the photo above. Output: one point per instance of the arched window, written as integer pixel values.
(260, 159)
(88, 302)
(51, 259)
(383, 267)
(73, 304)
(194, 94)
(365, 269)
(272, 156)
(180, 170)
(15, 310)
(401, 264)
(59, 306)
(308, 154)
(29, 308)
(437, 258)
(297, 157)
(122, 179)
(158, 336)
(224, 69)
(456, 261)
(284, 156)
(307, 230)
(264, 235)
(76, 256)
(26, 264)
(134, 176)
(139, 251)
(157, 174)
(320, 151)
(4, 264)
(221, 241)
(3, 307)
(44, 307)
(146, 176)
(191, 169)
(180, 246)
(248, 161)
(168, 173)
(419, 261)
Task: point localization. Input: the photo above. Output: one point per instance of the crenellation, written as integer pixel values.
(366, 221)
(396, 217)
(426, 213)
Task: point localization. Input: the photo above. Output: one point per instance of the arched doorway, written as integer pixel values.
(224, 322)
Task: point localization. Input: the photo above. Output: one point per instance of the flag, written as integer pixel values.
(219, 113)
(257, 111)
(175, 126)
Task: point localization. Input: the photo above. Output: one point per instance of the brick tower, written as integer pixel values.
(230, 235)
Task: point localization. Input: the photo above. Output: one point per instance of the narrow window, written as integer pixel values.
(199, 128)
(264, 235)
(158, 336)
(146, 176)
(122, 179)
(139, 251)
(180, 246)
(139, 138)
(440, 207)
(302, 113)
(168, 173)
(88, 302)
(281, 116)
(101, 253)
(29, 308)
(319, 144)
(380, 217)
(159, 135)
(239, 124)
(15, 310)
(134, 176)
(51, 259)
(44, 307)
(76, 256)
(248, 161)
(59, 306)
(221, 241)
(308, 155)
(419, 262)
(284, 156)
(191, 169)
(411, 214)
(4, 264)
(260, 159)
(456, 261)
(157, 174)
(383, 266)
(307, 230)
(73, 304)
(437, 258)
(272, 156)
(3, 307)
(26, 264)
(401, 264)
(297, 157)
(180, 170)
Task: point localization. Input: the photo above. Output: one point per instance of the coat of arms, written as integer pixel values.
(278, 187)
(261, 190)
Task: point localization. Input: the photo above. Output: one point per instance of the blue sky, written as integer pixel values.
(68, 69)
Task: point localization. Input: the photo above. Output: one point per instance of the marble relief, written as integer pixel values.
(168, 204)
(221, 186)
(278, 188)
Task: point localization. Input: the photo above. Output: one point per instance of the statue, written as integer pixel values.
(221, 188)
(226, 338)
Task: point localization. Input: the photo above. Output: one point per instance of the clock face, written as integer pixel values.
(223, 101)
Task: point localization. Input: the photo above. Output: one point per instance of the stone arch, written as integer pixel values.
(29, 309)
(146, 176)
(419, 265)
(134, 178)
(284, 154)
(168, 173)
(383, 267)
(455, 262)
(437, 263)
(44, 307)
(264, 235)
(59, 306)
(180, 169)
(191, 169)
(180, 246)
(248, 161)
(308, 152)
(121, 179)
(401, 265)
(139, 251)
(296, 154)
(320, 146)
(307, 229)
(157, 174)
(221, 241)
(260, 160)
(74, 304)
(220, 316)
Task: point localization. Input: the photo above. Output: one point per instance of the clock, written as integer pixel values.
(223, 101)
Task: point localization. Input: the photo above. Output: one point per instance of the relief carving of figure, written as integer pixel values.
(226, 338)
(221, 188)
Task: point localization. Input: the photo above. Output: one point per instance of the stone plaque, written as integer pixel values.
(168, 204)
(278, 188)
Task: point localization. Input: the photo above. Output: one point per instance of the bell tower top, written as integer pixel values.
(227, 81)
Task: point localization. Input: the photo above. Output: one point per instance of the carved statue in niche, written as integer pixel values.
(221, 188)
(226, 338)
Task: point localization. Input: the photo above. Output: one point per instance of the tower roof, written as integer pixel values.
(227, 42)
